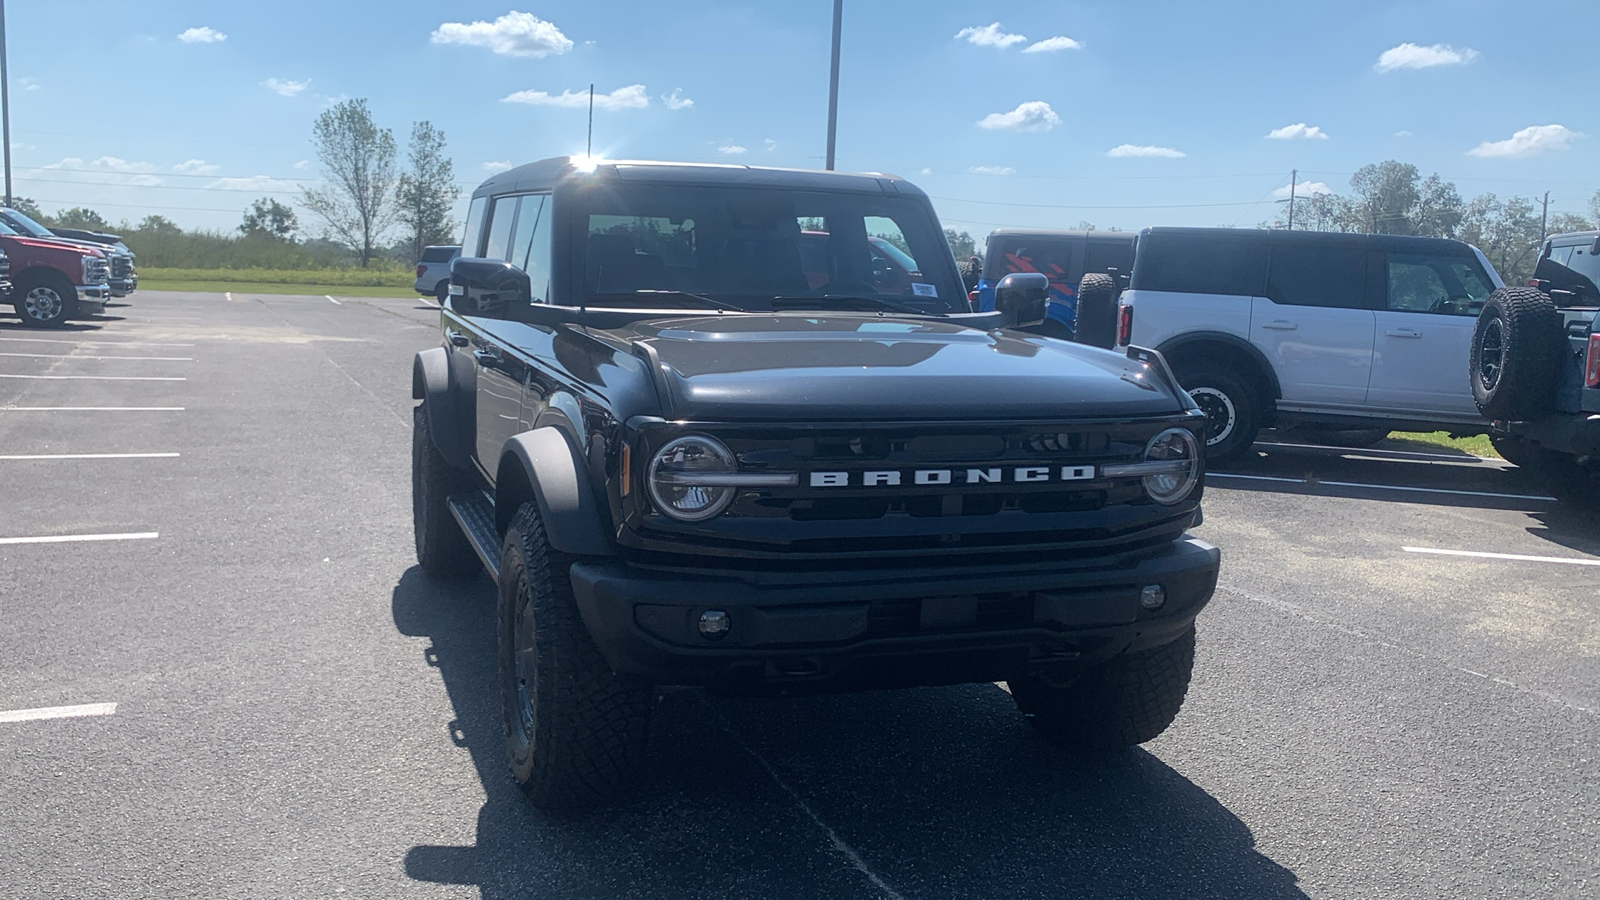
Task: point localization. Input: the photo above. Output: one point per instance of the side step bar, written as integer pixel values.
(475, 514)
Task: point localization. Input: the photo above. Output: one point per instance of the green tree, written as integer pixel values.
(158, 225)
(358, 165)
(80, 217)
(1507, 232)
(427, 190)
(962, 244)
(31, 210)
(269, 218)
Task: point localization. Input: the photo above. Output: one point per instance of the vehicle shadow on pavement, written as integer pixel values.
(65, 327)
(937, 792)
(1354, 473)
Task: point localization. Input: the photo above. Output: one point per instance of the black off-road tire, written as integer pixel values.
(44, 299)
(443, 550)
(1521, 453)
(1515, 357)
(1118, 704)
(1233, 412)
(575, 729)
(441, 291)
(1096, 324)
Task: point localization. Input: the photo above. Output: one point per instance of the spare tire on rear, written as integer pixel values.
(1515, 356)
(1096, 322)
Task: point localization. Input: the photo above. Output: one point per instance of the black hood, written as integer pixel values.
(831, 367)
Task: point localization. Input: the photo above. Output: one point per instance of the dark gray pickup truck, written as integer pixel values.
(1535, 368)
(699, 434)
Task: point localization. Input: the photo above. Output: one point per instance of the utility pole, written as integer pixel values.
(1544, 219)
(5, 101)
(1294, 178)
(588, 149)
(833, 83)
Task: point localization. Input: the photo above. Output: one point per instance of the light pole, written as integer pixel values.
(833, 83)
(5, 101)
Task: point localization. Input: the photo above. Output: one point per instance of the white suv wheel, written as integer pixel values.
(1218, 407)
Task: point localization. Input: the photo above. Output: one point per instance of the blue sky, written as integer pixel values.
(1009, 113)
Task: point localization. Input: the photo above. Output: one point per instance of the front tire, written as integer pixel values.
(574, 729)
(43, 301)
(1117, 704)
(443, 550)
(1233, 413)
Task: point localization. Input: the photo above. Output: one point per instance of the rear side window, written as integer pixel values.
(1200, 265)
(1102, 256)
(439, 254)
(1572, 268)
(1318, 276)
(474, 232)
(1447, 285)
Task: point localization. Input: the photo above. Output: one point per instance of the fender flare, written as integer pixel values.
(543, 463)
(1177, 345)
(430, 382)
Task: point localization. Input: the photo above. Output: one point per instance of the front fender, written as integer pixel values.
(543, 466)
(430, 383)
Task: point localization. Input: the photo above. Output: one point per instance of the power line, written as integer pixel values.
(1065, 206)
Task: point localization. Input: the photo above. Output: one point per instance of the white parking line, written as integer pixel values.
(1381, 487)
(97, 377)
(92, 343)
(1511, 556)
(82, 538)
(20, 456)
(1379, 452)
(91, 409)
(73, 356)
(335, 302)
(59, 712)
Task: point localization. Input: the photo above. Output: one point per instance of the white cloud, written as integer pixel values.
(989, 36)
(1529, 141)
(633, 96)
(1034, 115)
(285, 87)
(732, 149)
(202, 35)
(1415, 56)
(1304, 189)
(1402, 134)
(108, 170)
(992, 170)
(196, 167)
(28, 84)
(676, 99)
(302, 164)
(1144, 150)
(513, 34)
(1299, 131)
(770, 144)
(493, 167)
(1052, 44)
(263, 183)
(926, 172)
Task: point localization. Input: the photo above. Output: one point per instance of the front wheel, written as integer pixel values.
(574, 728)
(1233, 414)
(1117, 704)
(44, 302)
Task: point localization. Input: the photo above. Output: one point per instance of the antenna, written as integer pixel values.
(588, 149)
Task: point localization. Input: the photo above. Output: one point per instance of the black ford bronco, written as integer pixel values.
(740, 428)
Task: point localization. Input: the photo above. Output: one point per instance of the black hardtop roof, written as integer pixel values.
(546, 173)
(1284, 237)
(1574, 237)
(1095, 235)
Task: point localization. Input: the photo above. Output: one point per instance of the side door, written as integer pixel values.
(1315, 325)
(1424, 334)
(500, 373)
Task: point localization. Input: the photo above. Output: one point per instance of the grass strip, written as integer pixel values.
(246, 288)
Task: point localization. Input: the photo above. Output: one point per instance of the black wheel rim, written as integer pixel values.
(1221, 416)
(525, 660)
(1491, 353)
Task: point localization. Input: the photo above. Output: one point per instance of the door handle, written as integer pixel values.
(1280, 325)
(487, 358)
(456, 338)
(1403, 333)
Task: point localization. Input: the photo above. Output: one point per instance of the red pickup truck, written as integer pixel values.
(53, 281)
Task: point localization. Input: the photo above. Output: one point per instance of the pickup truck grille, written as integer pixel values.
(5, 267)
(97, 271)
(121, 267)
(930, 491)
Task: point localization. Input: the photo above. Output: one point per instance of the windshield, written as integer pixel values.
(763, 249)
(27, 225)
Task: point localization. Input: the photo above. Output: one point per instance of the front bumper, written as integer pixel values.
(92, 298)
(849, 630)
(122, 287)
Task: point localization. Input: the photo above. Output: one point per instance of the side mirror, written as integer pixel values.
(488, 287)
(1021, 297)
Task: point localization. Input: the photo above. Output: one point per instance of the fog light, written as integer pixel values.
(714, 623)
(1154, 596)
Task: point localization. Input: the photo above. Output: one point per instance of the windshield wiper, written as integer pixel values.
(682, 295)
(841, 301)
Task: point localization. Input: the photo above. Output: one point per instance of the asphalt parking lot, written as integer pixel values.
(205, 551)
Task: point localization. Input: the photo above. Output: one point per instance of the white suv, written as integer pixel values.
(1311, 330)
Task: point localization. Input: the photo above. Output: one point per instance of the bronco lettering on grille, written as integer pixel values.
(927, 477)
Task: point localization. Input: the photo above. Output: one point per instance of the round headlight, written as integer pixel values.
(688, 478)
(1176, 446)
